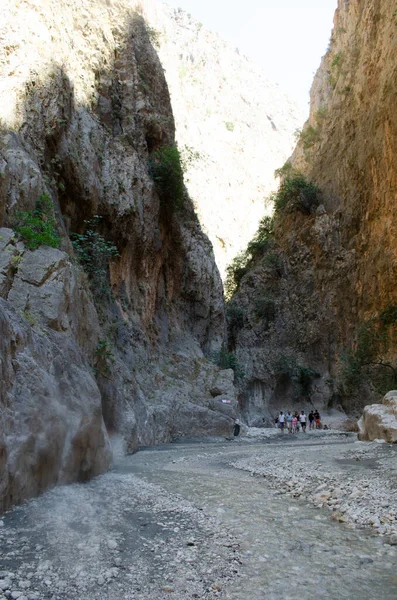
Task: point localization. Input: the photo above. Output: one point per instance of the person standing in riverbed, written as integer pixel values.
(311, 420)
(281, 421)
(302, 421)
(294, 423)
(288, 418)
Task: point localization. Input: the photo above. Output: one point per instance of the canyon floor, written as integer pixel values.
(263, 517)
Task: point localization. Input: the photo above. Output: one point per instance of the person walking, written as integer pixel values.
(294, 423)
(297, 421)
(311, 420)
(317, 419)
(302, 421)
(281, 421)
(288, 418)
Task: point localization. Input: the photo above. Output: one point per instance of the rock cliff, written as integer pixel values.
(328, 276)
(234, 127)
(110, 333)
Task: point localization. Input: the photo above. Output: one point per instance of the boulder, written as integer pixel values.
(379, 421)
(51, 425)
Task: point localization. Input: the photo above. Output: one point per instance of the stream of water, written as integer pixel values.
(162, 525)
(291, 551)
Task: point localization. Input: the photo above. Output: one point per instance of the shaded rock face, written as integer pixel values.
(51, 418)
(84, 104)
(379, 421)
(338, 273)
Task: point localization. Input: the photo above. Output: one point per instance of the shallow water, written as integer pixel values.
(288, 550)
(291, 551)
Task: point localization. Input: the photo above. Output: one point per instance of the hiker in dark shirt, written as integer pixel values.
(317, 419)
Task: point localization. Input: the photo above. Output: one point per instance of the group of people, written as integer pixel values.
(295, 421)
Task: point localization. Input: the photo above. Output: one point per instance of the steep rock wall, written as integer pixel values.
(84, 104)
(338, 264)
(233, 125)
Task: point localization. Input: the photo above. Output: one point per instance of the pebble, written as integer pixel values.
(393, 540)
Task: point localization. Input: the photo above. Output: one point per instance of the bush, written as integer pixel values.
(227, 360)
(229, 125)
(274, 262)
(242, 262)
(389, 316)
(287, 170)
(265, 308)
(105, 358)
(305, 377)
(95, 254)
(234, 273)
(309, 137)
(37, 228)
(365, 360)
(262, 239)
(297, 194)
(235, 317)
(288, 366)
(165, 168)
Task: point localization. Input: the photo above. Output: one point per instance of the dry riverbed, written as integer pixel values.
(233, 520)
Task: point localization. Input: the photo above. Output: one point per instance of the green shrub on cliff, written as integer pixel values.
(227, 360)
(242, 262)
(94, 253)
(37, 228)
(365, 361)
(296, 193)
(288, 366)
(165, 168)
(265, 308)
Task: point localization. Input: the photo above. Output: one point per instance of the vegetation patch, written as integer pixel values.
(165, 168)
(95, 253)
(235, 317)
(265, 308)
(296, 193)
(227, 360)
(274, 262)
(288, 366)
(365, 362)
(38, 228)
(104, 358)
(242, 262)
(309, 137)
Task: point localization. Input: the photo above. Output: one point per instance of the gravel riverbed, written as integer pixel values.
(356, 481)
(224, 519)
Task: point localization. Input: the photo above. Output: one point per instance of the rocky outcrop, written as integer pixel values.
(334, 295)
(233, 125)
(379, 421)
(90, 346)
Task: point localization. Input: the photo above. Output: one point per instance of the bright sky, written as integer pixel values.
(286, 37)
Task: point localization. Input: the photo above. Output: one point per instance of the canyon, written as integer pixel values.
(314, 311)
(113, 319)
(111, 302)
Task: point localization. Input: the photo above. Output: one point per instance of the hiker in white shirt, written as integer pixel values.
(281, 421)
(302, 421)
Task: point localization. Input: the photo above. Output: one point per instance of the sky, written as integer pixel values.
(287, 38)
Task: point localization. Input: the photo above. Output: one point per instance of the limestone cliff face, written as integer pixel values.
(339, 263)
(234, 127)
(84, 104)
